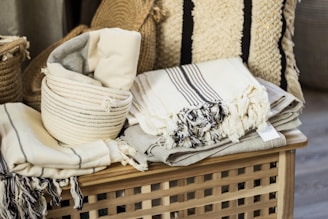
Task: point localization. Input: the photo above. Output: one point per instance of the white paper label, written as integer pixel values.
(269, 133)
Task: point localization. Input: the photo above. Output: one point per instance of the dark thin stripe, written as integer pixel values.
(199, 81)
(183, 82)
(78, 192)
(187, 31)
(192, 85)
(42, 172)
(178, 85)
(80, 158)
(3, 165)
(18, 137)
(192, 75)
(283, 81)
(246, 39)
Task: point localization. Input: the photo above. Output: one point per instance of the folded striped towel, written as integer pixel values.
(285, 111)
(29, 150)
(33, 163)
(199, 104)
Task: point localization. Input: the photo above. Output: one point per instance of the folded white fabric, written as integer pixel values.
(28, 149)
(285, 110)
(33, 163)
(199, 104)
(85, 94)
(111, 54)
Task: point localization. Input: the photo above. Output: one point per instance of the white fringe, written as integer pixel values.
(292, 72)
(76, 193)
(128, 153)
(211, 122)
(3, 208)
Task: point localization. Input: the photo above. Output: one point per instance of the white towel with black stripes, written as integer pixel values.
(199, 104)
(29, 150)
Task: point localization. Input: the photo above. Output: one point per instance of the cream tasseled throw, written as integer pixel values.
(199, 104)
(28, 150)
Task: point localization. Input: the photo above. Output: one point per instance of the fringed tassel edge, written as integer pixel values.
(211, 122)
(249, 112)
(127, 153)
(23, 197)
(288, 45)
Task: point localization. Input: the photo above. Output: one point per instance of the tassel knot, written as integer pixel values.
(109, 103)
(158, 14)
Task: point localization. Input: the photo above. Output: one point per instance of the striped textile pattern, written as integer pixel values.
(199, 104)
(258, 31)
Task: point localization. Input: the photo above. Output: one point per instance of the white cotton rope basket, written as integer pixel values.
(76, 113)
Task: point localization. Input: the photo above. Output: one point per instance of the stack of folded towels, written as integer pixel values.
(183, 114)
(85, 101)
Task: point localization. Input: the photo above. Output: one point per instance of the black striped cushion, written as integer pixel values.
(259, 31)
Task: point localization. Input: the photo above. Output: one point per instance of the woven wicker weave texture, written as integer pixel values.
(13, 54)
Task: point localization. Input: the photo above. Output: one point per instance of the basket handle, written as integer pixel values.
(17, 46)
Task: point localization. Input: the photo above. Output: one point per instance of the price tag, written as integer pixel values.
(269, 133)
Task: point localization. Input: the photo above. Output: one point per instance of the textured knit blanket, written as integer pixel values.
(199, 104)
(285, 110)
(28, 151)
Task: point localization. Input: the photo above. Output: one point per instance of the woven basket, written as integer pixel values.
(138, 15)
(76, 113)
(12, 55)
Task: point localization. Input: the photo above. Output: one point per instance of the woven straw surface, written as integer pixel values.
(32, 75)
(10, 70)
(217, 30)
(134, 15)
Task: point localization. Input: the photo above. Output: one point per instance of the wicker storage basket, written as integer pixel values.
(12, 54)
(248, 185)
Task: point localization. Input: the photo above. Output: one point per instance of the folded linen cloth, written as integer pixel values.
(30, 150)
(151, 149)
(32, 162)
(285, 110)
(285, 107)
(85, 94)
(199, 104)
